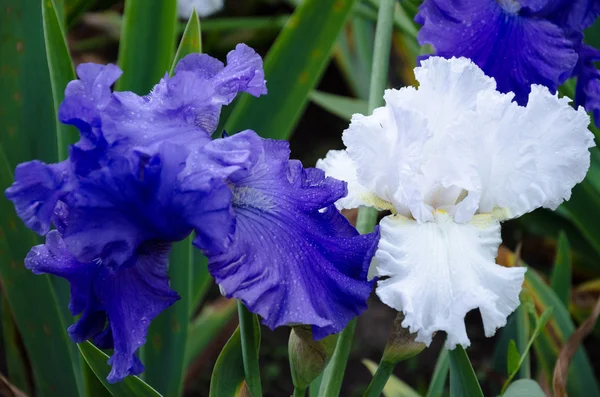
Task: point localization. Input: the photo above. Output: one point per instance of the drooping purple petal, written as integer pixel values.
(36, 190)
(128, 298)
(516, 49)
(294, 259)
(587, 92)
(133, 297)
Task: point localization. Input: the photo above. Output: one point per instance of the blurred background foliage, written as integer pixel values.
(318, 56)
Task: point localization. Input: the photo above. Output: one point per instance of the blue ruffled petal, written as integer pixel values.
(294, 259)
(517, 49)
(587, 93)
(128, 298)
(36, 190)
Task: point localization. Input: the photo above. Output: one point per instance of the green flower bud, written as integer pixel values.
(308, 357)
(401, 344)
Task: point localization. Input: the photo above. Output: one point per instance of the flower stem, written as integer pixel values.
(383, 373)
(381, 53)
(367, 217)
(299, 392)
(250, 335)
(334, 372)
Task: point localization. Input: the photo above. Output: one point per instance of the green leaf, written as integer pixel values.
(191, 41)
(513, 357)
(250, 336)
(228, 373)
(463, 381)
(201, 280)
(514, 366)
(394, 386)
(293, 67)
(523, 330)
(92, 385)
(341, 106)
(147, 43)
(585, 200)
(166, 344)
(131, 386)
(61, 71)
(16, 360)
(581, 379)
(561, 274)
(524, 388)
(28, 124)
(207, 326)
(440, 375)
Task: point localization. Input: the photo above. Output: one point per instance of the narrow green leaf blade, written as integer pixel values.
(561, 274)
(147, 43)
(191, 41)
(293, 67)
(581, 379)
(16, 360)
(341, 106)
(132, 386)
(61, 70)
(513, 357)
(524, 388)
(228, 373)
(440, 375)
(250, 335)
(207, 326)
(395, 386)
(166, 344)
(26, 104)
(463, 382)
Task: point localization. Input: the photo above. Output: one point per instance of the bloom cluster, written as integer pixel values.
(146, 174)
(451, 160)
(519, 42)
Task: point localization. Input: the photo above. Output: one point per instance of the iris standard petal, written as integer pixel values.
(517, 50)
(294, 259)
(436, 272)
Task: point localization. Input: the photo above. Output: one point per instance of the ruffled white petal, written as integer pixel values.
(337, 164)
(447, 89)
(387, 149)
(203, 8)
(514, 157)
(438, 271)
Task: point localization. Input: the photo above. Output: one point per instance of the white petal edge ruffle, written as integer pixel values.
(337, 164)
(203, 8)
(438, 271)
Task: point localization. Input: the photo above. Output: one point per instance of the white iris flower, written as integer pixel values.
(203, 8)
(451, 160)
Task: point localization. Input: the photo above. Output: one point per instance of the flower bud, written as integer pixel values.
(308, 357)
(401, 344)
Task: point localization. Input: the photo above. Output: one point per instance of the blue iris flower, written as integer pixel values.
(145, 174)
(118, 202)
(518, 42)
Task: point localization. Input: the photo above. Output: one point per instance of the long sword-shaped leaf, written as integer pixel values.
(147, 43)
(132, 386)
(28, 121)
(228, 373)
(293, 67)
(548, 344)
(463, 382)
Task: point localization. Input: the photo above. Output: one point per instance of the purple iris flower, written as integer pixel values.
(293, 258)
(118, 203)
(146, 174)
(518, 42)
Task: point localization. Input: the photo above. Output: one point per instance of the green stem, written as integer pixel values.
(334, 372)
(250, 335)
(299, 392)
(381, 53)
(367, 217)
(383, 373)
